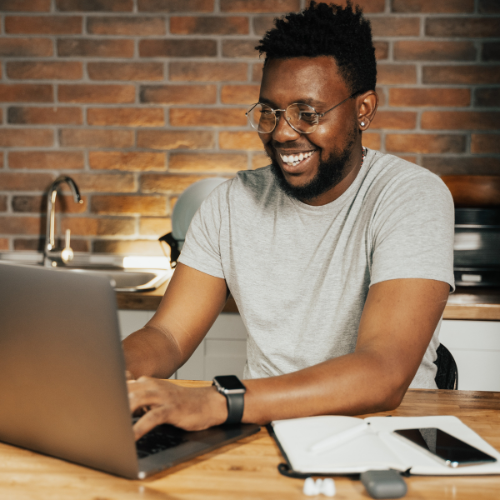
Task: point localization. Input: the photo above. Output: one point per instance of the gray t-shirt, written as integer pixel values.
(300, 274)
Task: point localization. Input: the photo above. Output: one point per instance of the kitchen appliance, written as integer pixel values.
(477, 247)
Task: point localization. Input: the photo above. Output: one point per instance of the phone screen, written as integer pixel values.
(448, 448)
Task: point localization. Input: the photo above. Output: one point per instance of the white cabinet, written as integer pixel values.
(475, 345)
(222, 352)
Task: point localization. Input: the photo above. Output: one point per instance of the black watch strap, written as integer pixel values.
(235, 405)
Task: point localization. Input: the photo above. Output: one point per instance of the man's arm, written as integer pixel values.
(398, 320)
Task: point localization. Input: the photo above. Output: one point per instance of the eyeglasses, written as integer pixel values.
(301, 117)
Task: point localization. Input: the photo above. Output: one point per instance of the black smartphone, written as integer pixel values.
(444, 447)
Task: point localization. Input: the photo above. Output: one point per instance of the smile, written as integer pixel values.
(294, 160)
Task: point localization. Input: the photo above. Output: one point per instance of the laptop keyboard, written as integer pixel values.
(161, 438)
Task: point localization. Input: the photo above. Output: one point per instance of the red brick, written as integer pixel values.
(38, 203)
(167, 139)
(485, 143)
(246, 141)
(257, 72)
(25, 5)
(25, 181)
(207, 72)
(464, 27)
(19, 225)
(487, 97)
(460, 120)
(262, 24)
(209, 25)
(178, 48)
(394, 120)
(491, 52)
(132, 117)
(125, 71)
(395, 26)
(87, 226)
(128, 26)
(388, 74)
(46, 160)
(452, 97)
(240, 94)
(175, 5)
(25, 137)
(95, 5)
(168, 183)
(43, 25)
(381, 50)
(128, 247)
(96, 93)
(260, 160)
(85, 47)
(96, 138)
(466, 74)
(211, 117)
(142, 205)
(240, 48)
(36, 244)
(368, 6)
(105, 183)
(4, 244)
(197, 162)
(434, 51)
(1, 159)
(26, 92)
(46, 70)
(259, 5)
(130, 161)
(431, 6)
(26, 47)
(489, 7)
(425, 143)
(3, 203)
(178, 94)
(372, 141)
(46, 115)
(155, 226)
(460, 165)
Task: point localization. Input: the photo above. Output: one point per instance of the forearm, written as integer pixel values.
(354, 384)
(151, 352)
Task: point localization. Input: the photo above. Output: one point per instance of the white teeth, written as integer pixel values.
(296, 159)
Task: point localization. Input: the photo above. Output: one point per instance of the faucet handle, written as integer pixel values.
(67, 252)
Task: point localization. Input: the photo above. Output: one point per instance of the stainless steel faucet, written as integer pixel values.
(51, 256)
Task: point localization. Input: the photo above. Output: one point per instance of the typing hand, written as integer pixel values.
(189, 408)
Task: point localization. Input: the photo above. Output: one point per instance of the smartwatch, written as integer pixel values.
(234, 391)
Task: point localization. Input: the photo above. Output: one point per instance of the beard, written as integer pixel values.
(330, 172)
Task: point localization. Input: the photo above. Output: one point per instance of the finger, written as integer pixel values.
(149, 421)
(146, 393)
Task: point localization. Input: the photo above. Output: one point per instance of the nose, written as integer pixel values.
(283, 132)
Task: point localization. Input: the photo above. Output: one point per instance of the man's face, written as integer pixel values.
(313, 81)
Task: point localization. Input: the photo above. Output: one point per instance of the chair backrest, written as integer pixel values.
(447, 371)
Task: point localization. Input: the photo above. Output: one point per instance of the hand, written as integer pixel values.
(192, 409)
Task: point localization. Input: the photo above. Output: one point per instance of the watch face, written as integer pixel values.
(230, 382)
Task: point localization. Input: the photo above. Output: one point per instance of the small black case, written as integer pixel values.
(384, 483)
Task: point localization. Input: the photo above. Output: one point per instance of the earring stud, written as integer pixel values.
(362, 124)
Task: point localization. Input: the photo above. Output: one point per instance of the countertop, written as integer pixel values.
(247, 469)
(472, 303)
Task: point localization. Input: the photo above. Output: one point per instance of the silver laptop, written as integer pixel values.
(62, 378)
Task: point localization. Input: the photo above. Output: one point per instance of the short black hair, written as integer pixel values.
(327, 30)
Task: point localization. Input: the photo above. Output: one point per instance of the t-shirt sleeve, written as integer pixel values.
(201, 249)
(413, 231)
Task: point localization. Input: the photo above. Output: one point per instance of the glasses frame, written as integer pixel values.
(274, 111)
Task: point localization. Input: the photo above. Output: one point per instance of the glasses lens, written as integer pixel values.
(262, 118)
(302, 117)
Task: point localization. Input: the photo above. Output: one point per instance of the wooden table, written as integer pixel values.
(247, 469)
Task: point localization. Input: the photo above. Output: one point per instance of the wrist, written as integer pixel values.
(217, 406)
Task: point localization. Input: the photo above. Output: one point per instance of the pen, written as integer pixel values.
(339, 438)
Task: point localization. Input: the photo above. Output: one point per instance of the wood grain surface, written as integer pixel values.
(248, 469)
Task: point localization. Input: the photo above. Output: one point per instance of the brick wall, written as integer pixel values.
(137, 99)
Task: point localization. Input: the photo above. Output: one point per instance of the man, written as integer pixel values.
(338, 257)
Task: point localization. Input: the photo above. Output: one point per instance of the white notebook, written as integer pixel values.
(377, 448)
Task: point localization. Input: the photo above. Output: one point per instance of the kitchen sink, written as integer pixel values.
(126, 273)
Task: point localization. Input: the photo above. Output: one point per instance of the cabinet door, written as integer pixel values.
(475, 345)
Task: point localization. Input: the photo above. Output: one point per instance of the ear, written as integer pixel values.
(367, 107)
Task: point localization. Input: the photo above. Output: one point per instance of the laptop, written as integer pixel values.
(62, 378)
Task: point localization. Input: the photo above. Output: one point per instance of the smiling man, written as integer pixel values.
(338, 257)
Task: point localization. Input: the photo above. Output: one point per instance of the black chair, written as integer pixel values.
(447, 371)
